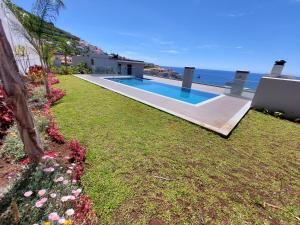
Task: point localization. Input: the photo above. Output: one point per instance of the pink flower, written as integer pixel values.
(69, 171)
(49, 170)
(53, 216)
(77, 192)
(67, 198)
(60, 179)
(70, 212)
(53, 195)
(28, 194)
(74, 181)
(42, 192)
(47, 157)
(65, 182)
(41, 202)
(44, 200)
(71, 197)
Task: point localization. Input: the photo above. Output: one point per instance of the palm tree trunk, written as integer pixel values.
(16, 96)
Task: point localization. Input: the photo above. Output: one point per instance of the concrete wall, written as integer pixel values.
(276, 94)
(24, 52)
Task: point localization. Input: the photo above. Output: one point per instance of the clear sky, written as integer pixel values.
(210, 34)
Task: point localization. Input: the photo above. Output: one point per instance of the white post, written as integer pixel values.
(277, 68)
(188, 77)
(239, 83)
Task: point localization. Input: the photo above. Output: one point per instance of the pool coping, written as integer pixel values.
(223, 130)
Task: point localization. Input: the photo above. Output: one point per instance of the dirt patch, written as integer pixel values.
(8, 172)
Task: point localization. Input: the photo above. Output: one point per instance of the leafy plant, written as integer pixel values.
(54, 133)
(38, 96)
(35, 74)
(6, 115)
(13, 145)
(42, 123)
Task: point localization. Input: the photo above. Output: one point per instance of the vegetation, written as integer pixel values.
(145, 165)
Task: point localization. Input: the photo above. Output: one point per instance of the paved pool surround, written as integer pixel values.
(220, 114)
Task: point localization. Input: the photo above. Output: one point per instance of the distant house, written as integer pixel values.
(110, 64)
(24, 52)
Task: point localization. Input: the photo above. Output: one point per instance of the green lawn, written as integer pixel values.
(224, 181)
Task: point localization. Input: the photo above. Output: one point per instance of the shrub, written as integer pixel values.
(6, 115)
(54, 133)
(81, 68)
(35, 74)
(77, 156)
(55, 95)
(13, 145)
(38, 97)
(42, 123)
(52, 79)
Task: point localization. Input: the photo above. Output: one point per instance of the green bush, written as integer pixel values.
(81, 68)
(13, 145)
(38, 97)
(42, 123)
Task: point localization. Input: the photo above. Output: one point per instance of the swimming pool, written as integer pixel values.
(189, 96)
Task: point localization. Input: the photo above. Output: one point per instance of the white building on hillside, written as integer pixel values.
(24, 52)
(108, 64)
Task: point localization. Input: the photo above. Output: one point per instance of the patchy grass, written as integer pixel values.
(221, 181)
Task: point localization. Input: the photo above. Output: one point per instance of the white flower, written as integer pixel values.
(65, 182)
(49, 170)
(70, 212)
(69, 171)
(60, 179)
(53, 195)
(61, 221)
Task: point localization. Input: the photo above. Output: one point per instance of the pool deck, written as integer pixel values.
(220, 114)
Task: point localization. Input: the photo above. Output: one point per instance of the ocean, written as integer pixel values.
(219, 77)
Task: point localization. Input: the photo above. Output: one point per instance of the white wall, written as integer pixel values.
(277, 94)
(11, 26)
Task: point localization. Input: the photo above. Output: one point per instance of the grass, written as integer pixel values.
(221, 181)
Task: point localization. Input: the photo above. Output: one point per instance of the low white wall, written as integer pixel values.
(276, 94)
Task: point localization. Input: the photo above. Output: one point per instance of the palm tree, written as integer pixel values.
(37, 29)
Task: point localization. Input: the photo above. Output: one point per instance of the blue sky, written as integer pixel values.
(210, 34)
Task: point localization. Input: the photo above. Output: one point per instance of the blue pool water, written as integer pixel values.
(189, 96)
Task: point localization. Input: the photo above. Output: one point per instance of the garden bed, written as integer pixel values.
(51, 191)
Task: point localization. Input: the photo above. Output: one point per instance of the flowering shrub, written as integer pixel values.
(35, 74)
(49, 196)
(77, 156)
(54, 133)
(84, 213)
(52, 79)
(55, 95)
(6, 115)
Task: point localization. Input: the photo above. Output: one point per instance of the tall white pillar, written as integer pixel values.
(188, 77)
(278, 68)
(239, 83)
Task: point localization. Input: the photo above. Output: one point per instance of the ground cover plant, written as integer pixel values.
(145, 166)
